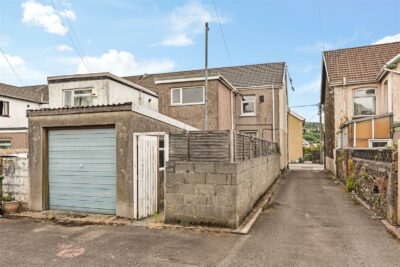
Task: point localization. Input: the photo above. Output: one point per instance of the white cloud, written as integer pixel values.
(46, 16)
(27, 74)
(389, 39)
(312, 86)
(64, 48)
(178, 40)
(187, 21)
(124, 63)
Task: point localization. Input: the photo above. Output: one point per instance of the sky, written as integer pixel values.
(42, 38)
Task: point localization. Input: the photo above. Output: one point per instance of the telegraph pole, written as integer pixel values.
(206, 81)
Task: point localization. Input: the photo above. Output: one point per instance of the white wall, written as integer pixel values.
(108, 92)
(17, 110)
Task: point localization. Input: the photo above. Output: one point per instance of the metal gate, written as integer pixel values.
(145, 174)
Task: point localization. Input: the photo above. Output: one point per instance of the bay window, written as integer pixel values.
(364, 102)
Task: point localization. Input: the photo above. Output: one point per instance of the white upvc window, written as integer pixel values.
(187, 96)
(4, 108)
(248, 105)
(373, 143)
(78, 97)
(364, 102)
(5, 144)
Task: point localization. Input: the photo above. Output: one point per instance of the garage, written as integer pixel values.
(82, 170)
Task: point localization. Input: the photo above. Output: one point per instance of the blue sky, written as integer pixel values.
(132, 37)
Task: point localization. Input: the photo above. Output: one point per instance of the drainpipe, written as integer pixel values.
(273, 114)
(232, 113)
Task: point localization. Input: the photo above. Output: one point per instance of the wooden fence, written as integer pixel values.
(217, 146)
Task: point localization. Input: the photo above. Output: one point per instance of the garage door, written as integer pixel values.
(82, 170)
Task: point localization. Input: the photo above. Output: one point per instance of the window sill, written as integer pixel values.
(5, 116)
(180, 105)
(248, 115)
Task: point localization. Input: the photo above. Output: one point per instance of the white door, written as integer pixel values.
(145, 175)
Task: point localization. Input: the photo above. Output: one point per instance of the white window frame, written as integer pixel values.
(181, 95)
(355, 97)
(5, 140)
(370, 141)
(6, 108)
(73, 95)
(249, 114)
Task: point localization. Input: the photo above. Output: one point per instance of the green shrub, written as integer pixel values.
(9, 197)
(350, 184)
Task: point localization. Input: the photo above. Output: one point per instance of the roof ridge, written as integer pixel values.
(362, 46)
(214, 68)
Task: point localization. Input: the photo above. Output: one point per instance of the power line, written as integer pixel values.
(11, 67)
(72, 40)
(320, 25)
(74, 34)
(290, 78)
(302, 106)
(222, 33)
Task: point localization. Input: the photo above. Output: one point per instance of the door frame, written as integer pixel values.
(135, 167)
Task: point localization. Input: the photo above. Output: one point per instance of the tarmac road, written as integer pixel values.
(313, 222)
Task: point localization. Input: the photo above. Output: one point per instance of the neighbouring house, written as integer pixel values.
(99, 147)
(360, 92)
(14, 102)
(251, 99)
(295, 136)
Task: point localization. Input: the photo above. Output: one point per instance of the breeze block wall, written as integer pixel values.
(220, 191)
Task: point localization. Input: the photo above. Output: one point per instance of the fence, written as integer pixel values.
(217, 146)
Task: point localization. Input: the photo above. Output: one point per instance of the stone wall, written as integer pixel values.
(375, 178)
(16, 177)
(217, 193)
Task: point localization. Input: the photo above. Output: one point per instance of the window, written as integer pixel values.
(364, 102)
(251, 133)
(385, 97)
(187, 96)
(5, 144)
(248, 107)
(379, 142)
(4, 109)
(161, 153)
(78, 98)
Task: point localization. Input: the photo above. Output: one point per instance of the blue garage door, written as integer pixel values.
(82, 170)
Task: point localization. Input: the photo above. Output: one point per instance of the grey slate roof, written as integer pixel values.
(238, 76)
(35, 93)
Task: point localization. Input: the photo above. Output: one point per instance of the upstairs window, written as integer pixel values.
(187, 96)
(364, 102)
(4, 109)
(78, 98)
(248, 106)
(5, 144)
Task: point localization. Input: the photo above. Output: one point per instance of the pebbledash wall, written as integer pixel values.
(374, 172)
(218, 189)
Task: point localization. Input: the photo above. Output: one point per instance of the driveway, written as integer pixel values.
(313, 222)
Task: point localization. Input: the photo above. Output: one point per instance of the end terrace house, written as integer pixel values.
(360, 92)
(251, 99)
(14, 102)
(98, 132)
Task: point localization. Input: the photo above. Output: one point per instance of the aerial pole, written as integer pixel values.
(206, 81)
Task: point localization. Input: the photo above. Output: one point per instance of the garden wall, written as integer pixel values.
(16, 177)
(372, 175)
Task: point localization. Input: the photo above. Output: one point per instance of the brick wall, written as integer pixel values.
(217, 193)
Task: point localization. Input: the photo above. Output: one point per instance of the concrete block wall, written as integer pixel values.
(217, 193)
(16, 177)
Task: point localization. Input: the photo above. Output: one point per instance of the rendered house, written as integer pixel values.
(360, 92)
(89, 149)
(14, 102)
(250, 98)
(295, 130)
